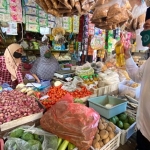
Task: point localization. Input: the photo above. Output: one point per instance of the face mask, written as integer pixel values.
(47, 55)
(17, 55)
(145, 37)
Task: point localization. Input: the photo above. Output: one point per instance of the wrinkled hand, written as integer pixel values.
(127, 48)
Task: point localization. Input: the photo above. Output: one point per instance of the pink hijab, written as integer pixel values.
(11, 62)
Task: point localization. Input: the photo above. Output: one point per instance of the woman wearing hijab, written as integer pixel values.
(45, 66)
(10, 68)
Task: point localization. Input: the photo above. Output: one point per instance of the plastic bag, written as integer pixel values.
(71, 121)
(50, 141)
(72, 86)
(139, 10)
(84, 70)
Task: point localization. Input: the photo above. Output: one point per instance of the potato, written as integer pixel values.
(104, 134)
(101, 143)
(97, 137)
(111, 135)
(97, 145)
(105, 125)
(103, 120)
(101, 126)
(94, 141)
(97, 131)
(112, 126)
(106, 140)
(109, 129)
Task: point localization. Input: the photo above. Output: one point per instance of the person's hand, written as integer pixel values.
(127, 48)
(38, 81)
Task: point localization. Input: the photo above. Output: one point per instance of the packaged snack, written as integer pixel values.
(114, 10)
(48, 3)
(100, 12)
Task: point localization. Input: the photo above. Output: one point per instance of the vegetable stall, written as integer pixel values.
(89, 105)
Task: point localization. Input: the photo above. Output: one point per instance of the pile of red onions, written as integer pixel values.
(14, 105)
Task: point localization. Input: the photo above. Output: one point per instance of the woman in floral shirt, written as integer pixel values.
(10, 69)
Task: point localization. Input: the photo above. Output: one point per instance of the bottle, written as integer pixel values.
(91, 80)
(120, 54)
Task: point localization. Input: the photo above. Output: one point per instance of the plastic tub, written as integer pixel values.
(98, 104)
(126, 134)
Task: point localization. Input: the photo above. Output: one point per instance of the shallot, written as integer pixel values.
(14, 105)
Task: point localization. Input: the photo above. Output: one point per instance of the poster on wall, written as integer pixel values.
(15, 10)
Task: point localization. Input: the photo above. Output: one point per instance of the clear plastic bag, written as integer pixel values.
(139, 10)
(72, 121)
(50, 141)
(72, 86)
(84, 70)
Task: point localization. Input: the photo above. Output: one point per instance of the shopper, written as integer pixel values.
(10, 68)
(45, 66)
(142, 75)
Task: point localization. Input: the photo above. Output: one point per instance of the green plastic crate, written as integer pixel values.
(98, 104)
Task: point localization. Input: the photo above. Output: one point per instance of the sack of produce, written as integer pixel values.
(30, 138)
(71, 121)
(85, 70)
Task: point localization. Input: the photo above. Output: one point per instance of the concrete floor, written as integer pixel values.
(130, 144)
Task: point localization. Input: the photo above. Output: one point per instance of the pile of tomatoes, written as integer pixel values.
(56, 93)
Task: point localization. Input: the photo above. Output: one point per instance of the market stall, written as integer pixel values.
(90, 103)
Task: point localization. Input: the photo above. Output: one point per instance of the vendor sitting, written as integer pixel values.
(45, 66)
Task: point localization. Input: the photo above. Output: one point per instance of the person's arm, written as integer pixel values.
(135, 72)
(33, 71)
(19, 74)
(36, 78)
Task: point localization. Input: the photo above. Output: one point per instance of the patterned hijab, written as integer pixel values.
(43, 67)
(11, 62)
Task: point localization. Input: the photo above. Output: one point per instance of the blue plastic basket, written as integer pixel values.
(98, 104)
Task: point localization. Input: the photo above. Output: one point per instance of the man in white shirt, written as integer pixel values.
(142, 75)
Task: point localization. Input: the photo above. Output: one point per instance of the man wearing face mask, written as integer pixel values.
(10, 65)
(142, 75)
(45, 66)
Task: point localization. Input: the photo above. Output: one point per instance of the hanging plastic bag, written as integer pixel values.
(72, 121)
(139, 10)
(37, 139)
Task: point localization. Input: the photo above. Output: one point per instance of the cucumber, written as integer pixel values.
(63, 145)
(59, 141)
(70, 146)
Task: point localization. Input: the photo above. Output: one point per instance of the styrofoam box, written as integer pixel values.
(113, 144)
(126, 134)
(107, 89)
(124, 89)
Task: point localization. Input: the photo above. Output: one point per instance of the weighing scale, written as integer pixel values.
(62, 74)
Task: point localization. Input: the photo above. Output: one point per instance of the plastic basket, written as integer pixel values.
(133, 92)
(113, 144)
(126, 134)
(98, 104)
(108, 89)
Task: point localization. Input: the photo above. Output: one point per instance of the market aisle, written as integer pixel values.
(130, 145)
